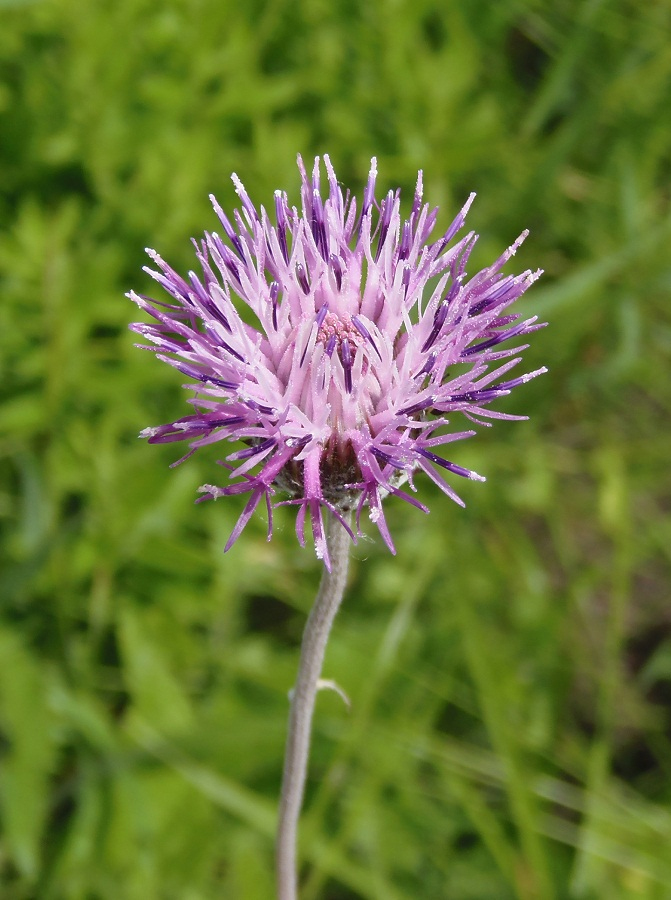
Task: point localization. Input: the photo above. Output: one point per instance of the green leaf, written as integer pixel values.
(26, 723)
(156, 692)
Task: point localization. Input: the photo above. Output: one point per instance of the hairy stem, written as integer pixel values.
(313, 647)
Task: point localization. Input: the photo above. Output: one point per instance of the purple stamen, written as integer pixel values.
(438, 322)
(318, 225)
(321, 315)
(281, 215)
(450, 466)
(337, 269)
(346, 355)
(369, 191)
(204, 377)
(228, 228)
(497, 339)
(274, 293)
(386, 458)
(363, 331)
(418, 407)
(302, 278)
(429, 364)
(253, 451)
(386, 212)
(406, 242)
(405, 279)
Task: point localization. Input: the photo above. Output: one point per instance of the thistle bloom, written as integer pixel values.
(335, 344)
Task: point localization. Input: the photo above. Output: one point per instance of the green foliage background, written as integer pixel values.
(510, 669)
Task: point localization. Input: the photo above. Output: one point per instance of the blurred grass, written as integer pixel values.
(510, 669)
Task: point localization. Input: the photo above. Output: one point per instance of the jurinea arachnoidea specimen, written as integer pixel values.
(368, 336)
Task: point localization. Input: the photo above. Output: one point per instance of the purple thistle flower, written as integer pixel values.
(366, 337)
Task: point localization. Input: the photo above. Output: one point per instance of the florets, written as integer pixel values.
(367, 338)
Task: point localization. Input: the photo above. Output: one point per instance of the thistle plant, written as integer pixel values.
(366, 337)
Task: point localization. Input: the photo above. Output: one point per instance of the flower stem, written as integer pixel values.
(313, 647)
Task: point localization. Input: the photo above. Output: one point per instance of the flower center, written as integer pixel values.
(342, 335)
(338, 334)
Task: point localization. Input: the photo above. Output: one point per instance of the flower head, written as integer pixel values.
(335, 343)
